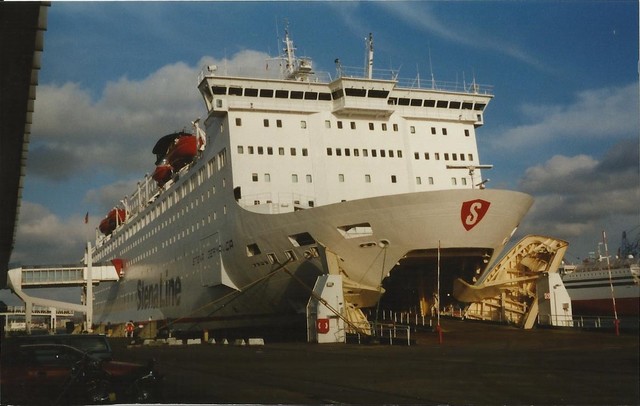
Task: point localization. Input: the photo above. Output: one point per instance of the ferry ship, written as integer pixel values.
(595, 286)
(290, 178)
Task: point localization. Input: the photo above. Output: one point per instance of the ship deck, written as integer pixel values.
(476, 363)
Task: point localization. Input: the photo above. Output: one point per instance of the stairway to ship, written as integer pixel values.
(507, 292)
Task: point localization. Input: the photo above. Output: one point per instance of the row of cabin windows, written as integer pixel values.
(367, 179)
(349, 92)
(365, 152)
(352, 124)
(436, 156)
(260, 150)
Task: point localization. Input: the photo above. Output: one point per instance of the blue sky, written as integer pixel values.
(563, 125)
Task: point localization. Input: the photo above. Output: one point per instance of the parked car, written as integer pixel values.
(94, 344)
(60, 374)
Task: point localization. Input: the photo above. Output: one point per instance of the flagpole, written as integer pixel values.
(613, 296)
(438, 328)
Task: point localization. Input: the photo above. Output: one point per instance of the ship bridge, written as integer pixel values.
(61, 276)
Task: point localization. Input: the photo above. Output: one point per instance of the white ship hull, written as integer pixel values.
(207, 277)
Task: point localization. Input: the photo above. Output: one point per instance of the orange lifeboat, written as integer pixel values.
(182, 151)
(113, 219)
(162, 173)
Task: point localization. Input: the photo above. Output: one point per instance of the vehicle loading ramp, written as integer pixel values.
(508, 291)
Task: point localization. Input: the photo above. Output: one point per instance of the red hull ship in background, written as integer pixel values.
(174, 151)
(593, 291)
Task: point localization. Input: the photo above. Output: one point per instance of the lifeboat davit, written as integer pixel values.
(162, 173)
(113, 219)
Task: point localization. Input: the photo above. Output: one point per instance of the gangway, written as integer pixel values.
(61, 276)
(510, 291)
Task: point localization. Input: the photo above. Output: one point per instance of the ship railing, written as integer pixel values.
(588, 322)
(417, 82)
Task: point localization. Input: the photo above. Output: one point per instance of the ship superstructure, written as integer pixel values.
(303, 176)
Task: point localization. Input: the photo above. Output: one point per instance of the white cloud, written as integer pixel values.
(594, 114)
(118, 130)
(44, 238)
(578, 197)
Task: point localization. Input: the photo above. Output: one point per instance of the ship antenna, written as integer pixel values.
(433, 80)
(370, 57)
(289, 51)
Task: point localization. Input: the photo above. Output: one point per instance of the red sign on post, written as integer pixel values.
(323, 326)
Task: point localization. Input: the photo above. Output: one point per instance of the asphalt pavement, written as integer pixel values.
(475, 364)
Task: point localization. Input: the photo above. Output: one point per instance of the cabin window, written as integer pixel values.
(303, 124)
(293, 151)
(462, 157)
(269, 150)
(290, 255)
(416, 102)
(444, 131)
(297, 95)
(454, 156)
(252, 250)
(279, 123)
(399, 154)
(338, 151)
(367, 178)
(327, 123)
(429, 103)
(455, 105)
(464, 181)
(384, 126)
(466, 133)
(371, 126)
(272, 258)
(442, 104)
(329, 151)
(282, 94)
(347, 152)
(309, 179)
(301, 239)
(436, 156)
(416, 155)
(412, 129)
(454, 182)
(393, 179)
(340, 125)
(355, 92)
(280, 150)
(337, 94)
(235, 91)
(219, 89)
(418, 180)
(403, 101)
(240, 149)
(446, 156)
(250, 149)
(341, 177)
(356, 230)
(395, 127)
(433, 131)
(305, 152)
(378, 94)
(365, 152)
(238, 122)
(467, 106)
(390, 153)
(311, 95)
(267, 177)
(479, 106)
(260, 150)
(430, 180)
(374, 153)
(294, 178)
(383, 153)
(251, 92)
(470, 156)
(266, 92)
(356, 152)
(265, 122)
(324, 96)
(353, 125)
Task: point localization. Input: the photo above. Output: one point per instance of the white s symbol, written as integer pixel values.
(473, 216)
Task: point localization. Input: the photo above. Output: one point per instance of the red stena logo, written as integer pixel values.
(472, 212)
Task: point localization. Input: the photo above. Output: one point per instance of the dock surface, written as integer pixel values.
(476, 364)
